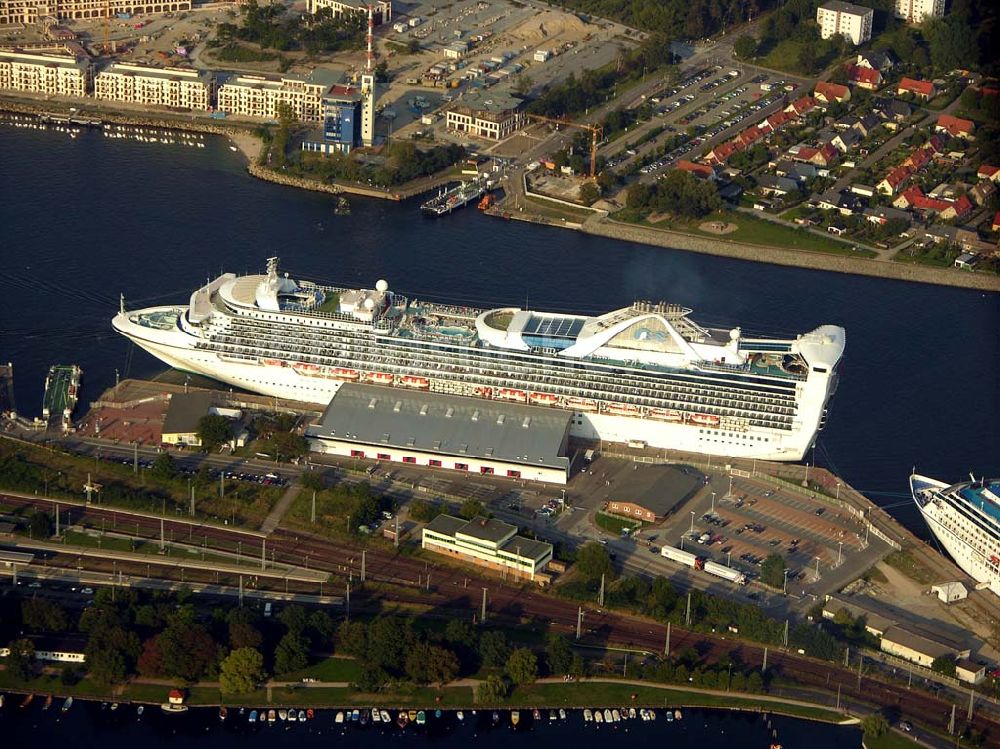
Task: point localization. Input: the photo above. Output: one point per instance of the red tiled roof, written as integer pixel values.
(802, 105)
(987, 170)
(805, 154)
(996, 221)
(962, 206)
(898, 176)
(831, 91)
(724, 150)
(699, 170)
(955, 125)
(868, 76)
(924, 88)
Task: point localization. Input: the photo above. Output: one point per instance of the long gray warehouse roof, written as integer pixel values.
(446, 424)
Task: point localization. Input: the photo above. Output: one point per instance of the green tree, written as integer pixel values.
(472, 508)
(242, 634)
(213, 431)
(426, 664)
(423, 511)
(491, 691)
(874, 725)
(952, 42)
(944, 664)
(42, 615)
(745, 47)
(772, 570)
(111, 654)
(558, 656)
(413, 47)
(592, 561)
(352, 639)
(188, 650)
(292, 653)
(241, 671)
(164, 467)
(494, 650)
(21, 661)
(807, 58)
(522, 666)
(460, 632)
(371, 679)
(589, 193)
(389, 641)
(40, 525)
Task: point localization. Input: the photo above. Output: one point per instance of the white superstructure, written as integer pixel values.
(965, 518)
(644, 373)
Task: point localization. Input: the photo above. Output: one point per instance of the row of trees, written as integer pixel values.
(678, 194)
(270, 28)
(402, 162)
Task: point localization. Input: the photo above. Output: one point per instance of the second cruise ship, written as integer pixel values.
(646, 373)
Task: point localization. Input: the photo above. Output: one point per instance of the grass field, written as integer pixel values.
(331, 669)
(615, 524)
(891, 740)
(909, 566)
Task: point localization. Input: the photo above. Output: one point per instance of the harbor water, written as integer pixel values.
(91, 726)
(86, 218)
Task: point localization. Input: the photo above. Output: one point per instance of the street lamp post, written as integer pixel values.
(784, 584)
(692, 522)
(713, 501)
(840, 552)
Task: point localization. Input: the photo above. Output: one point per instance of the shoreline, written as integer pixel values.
(248, 144)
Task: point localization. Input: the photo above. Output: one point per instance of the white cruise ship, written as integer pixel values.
(965, 518)
(645, 373)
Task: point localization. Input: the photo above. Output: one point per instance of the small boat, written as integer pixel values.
(48, 702)
(562, 714)
(271, 716)
(27, 700)
(552, 715)
(168, 707)
(598, 717)
(437, 713)
(652, 714)
(233, 148)
(114, 705)
(66, 705)
(339, 717)
(2, 698)
(283, 714)
(402, 719)
(421, 718)
(223, 713)
(302, 716)
(607, 715)
(587, 715)
(140, 710)
(670, 716)
(631, 713)
(496, 717)
(253, 716)
(355, 716)
(385, 716)
(678, 715)
(709, 420)
(376, 716)
(364, 717)
(310, 714)
(411, 715)
(460, 715)
(515, 717)
(616, 715)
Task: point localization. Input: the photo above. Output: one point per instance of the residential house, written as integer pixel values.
(876, 60)
(866, 190)
(771, 185)
(721, 153)
(955, 126)
(830, 93)
(988, 171)
(866, 78)
(969, 671)
(837, 18)
(846, 140)
(995, 226)
(922, 89)
(798, 171)
(802, 106)
(704, 171)
(958, 208)
(847, 204)
(895, 179)
(913, 197)
(982, 192)
(866, 125)
(881, 215)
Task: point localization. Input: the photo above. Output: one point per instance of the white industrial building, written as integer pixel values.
(490, 438)
(845, 19)
(487, 543)
(950, 592)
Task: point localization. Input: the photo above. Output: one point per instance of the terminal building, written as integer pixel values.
(341, 130)
(492, 115)
(488, 543)
(183, 88)
(654, 493)
(259, 96)
(53, 75)
(471, 435)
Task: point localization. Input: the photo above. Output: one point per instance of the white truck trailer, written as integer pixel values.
(727, 573)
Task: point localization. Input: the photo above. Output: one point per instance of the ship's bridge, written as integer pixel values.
(513, 328)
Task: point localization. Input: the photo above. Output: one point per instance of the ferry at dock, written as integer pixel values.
(453, 199)
(644, 373)
(965, 519)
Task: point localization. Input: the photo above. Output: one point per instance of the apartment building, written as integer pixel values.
(381, 9)
(157, 87)
(52, 75)
(916, 11)
(845, 19)
(491, 115)
(31, 11)
(258, 96)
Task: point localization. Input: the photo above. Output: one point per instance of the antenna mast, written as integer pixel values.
(371, 35)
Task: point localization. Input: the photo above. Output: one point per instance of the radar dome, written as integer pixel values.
(369, 303)
(734, 334)
(382, 285)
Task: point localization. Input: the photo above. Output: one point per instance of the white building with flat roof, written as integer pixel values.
(159, 87)
(916, 11)
(258, 96)
(381, 9)
(30, 12)
(845, 19)
(487, 543)
(53, 75)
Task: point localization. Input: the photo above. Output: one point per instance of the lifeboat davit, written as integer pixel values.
(509, 394)
(306, 369)
(622, 409)
(484, 392)
(708, 420)
(344, 374)
(581, 404)
(273, 362)
(543, 399)
(665, 414)
(379, 378)
(411, 381)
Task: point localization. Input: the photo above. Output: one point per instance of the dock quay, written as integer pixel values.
(7, 406)
(62, 387)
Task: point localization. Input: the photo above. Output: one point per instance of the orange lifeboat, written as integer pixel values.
(486, 202)
(484, 392)
(378, 378)
(411, 381)
(581, 404)
(665, 414)
(622, 409)
(305, 368)
(707, 420)
(344, 374)
(543, 399)
(509, 394)
(273, 362)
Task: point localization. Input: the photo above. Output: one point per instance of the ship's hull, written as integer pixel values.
(971, 562)
(280, 379)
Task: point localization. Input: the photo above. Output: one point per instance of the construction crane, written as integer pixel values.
(595, 136)
(107, 27)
